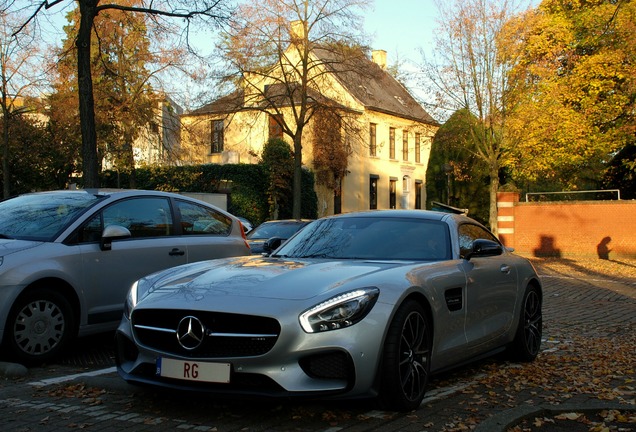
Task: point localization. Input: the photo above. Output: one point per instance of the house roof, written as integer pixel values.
(225, 105)
(374, 87)
(366, 81)
(276, 95)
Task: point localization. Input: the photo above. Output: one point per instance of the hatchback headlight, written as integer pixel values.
(339, 312)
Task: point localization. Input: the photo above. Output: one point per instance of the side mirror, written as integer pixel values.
(110, 233)
(272, 244)
(485, 248)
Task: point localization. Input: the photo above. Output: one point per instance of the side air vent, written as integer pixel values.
(454, 300)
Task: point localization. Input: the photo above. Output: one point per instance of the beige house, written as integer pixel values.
(384, 134)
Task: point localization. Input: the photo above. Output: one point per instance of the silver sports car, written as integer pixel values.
(356, 305)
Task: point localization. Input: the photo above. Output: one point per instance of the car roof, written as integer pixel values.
(103, 191)
(288, 221)
(123, 193)
(396, 213)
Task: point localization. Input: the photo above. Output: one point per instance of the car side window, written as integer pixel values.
(468, 233)
(200, 220)
(143, 217)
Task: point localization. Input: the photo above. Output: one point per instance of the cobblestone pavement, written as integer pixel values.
(587, 363)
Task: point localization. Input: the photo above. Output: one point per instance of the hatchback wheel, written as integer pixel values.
(40, 326)
(527, 342)
(406, 363)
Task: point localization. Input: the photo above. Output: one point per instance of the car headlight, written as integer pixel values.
(339, 312)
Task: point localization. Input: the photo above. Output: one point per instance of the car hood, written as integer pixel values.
(9, 246)
(259, 277)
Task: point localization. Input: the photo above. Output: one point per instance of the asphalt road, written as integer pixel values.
(585, 376)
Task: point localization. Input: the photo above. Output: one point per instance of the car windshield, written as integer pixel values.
(42, 216)
(267, 230)
(371, 238)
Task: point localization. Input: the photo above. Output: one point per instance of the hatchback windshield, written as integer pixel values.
(42, 216)
(371, 238)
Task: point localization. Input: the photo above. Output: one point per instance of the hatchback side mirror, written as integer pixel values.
(110, 233)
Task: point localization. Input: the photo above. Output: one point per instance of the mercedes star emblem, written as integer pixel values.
(190, 332)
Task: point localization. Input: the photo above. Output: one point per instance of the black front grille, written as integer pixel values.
(229, 335)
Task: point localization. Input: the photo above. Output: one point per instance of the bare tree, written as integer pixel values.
(281, 53)
(19, 56)
(468, 72)
(211, 12)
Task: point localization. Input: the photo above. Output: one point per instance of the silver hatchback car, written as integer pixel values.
(68, 259)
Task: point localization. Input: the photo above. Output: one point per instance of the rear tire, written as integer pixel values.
(40, 326)
(406, 362)
(527, 343)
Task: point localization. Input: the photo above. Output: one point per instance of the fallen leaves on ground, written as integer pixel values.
(603, 421)
(89, 395)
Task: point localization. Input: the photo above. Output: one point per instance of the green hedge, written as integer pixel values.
(245, 184)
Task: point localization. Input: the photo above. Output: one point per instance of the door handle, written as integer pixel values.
(505, 268)
(176, 252)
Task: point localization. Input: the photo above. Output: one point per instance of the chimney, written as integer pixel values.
(379, 58)
(297, 30)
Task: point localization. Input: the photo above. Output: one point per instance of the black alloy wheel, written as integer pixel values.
(527, 342)
(407, 358)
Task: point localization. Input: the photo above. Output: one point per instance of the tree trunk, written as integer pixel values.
(86, 102)
(298, 166)
(6, 178)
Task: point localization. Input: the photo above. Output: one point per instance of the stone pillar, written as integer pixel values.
(506, 217)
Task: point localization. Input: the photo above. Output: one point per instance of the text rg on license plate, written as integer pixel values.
(193, 370)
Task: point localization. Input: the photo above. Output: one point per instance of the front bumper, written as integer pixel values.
(341, 363)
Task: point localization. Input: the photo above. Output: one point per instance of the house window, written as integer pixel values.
(217, 136)
(373, 191)
(405, 145)
(391, 143)
(275, 126)
(418, 194)
(372, 140)
(337, 199)
(392, 192)
(417, 148)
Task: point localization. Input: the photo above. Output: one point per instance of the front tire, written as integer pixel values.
(40, 326)
(406, 361)
(527, 343)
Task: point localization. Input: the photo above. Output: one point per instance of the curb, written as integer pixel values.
(13, 370)
(512, 417)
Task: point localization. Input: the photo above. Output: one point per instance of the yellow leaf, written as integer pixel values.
(568, 416)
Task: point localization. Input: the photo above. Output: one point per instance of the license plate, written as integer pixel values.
(193, 370)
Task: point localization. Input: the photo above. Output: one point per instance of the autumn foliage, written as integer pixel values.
(574, 89)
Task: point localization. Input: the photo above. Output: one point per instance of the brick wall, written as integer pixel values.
(605, 229)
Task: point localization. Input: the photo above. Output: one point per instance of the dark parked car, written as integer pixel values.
(278, 229)
(355, 305)
(68, 258)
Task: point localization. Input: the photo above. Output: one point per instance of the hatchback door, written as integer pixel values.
(108, 274)
(208, 233)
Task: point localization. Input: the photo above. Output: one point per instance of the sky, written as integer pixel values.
(402, 27)
(399, 27)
